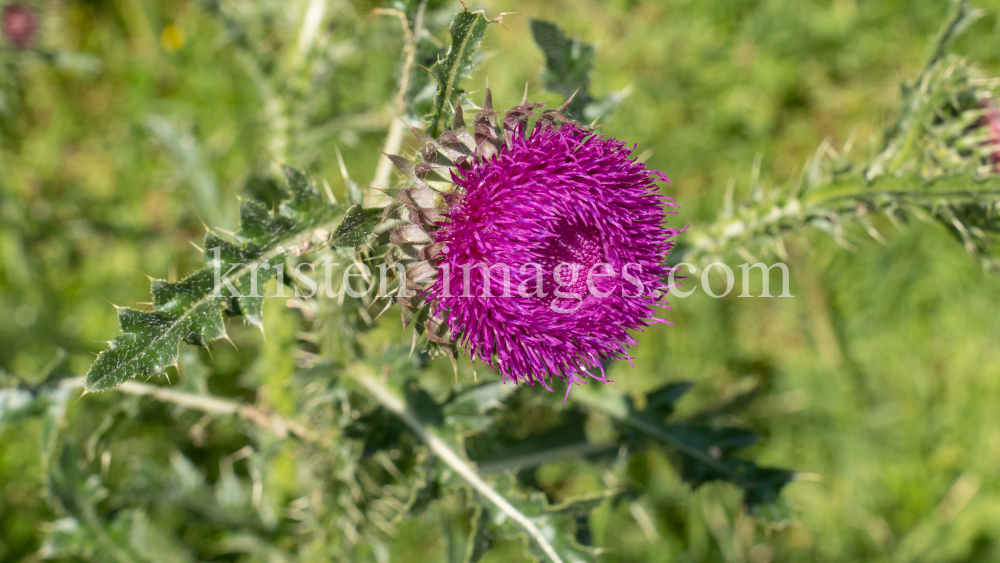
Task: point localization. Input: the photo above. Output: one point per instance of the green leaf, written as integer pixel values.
(706, 453)
(660, 402)
(357, 225)
(503, 450)
(231, 283)
(560, 524)
(467, 411)
(422, 91)
(467, 31)
(568, 65)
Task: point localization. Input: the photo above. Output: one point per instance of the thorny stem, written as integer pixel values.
(839, 196)
(375, 197)
(273, 423)
(366, 379)
(281, 427)
(300, 235)
(960, 16)
(878, 186)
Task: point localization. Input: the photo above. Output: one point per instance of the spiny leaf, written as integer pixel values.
(568, 65)
(231, 283)
(467, 31)
(706, 453)
(357, 225)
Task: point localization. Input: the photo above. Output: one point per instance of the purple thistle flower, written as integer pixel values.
(559, 198)
(544, 250)
(20, 24)
(992, 122)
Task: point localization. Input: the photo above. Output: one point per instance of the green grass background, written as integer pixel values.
(880, 379)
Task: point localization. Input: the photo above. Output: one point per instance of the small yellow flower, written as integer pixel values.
(172, 38)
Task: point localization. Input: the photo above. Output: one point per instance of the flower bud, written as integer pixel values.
(20, 25)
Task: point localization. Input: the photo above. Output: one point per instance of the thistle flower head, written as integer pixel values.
(549, 247)
(991, 119)
(20, 25)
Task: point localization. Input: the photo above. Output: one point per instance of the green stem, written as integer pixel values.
(842, 195)
(364, 377)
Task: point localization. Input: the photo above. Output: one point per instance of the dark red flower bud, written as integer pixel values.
(20, 25)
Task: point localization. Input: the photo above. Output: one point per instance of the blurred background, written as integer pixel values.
(124, 124)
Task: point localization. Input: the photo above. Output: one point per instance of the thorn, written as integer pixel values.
(167, 375)
(565, 106)
(260, 326)
(365, 316)
(413, 345)
(225, 232)
(229, 340)
(112, 304)
(200, 249)
(151, 278)
(271, 156)
(524, 99)
(387, 306)
(209, 350)
(149, 303)
(846, 149)
(232, 191)
(329, 192)
(343, 167)
(82, 395)
(499, 18)
(203, 223)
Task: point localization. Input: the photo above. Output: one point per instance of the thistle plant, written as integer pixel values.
(525, 245)
(936, 163)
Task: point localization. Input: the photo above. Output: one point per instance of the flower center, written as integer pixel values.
(568, 258)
